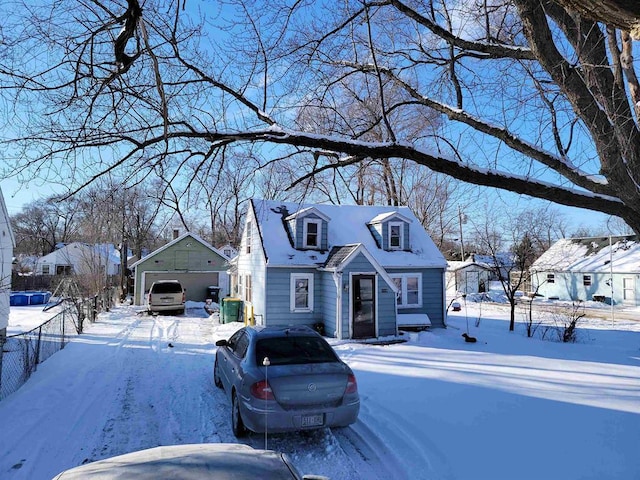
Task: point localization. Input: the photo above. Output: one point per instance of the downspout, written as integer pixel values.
(444, 298)
(337, 279)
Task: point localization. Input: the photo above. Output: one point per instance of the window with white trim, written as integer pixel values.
(396, 235)
(45, 270)
(311, 233)
(301, 289)
(248, 238)
(551, 278)
(586, 280)
(247, 289)
(409, 289)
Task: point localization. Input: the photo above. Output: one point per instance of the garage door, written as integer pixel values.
(195, 283)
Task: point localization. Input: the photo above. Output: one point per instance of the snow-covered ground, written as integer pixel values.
(435, 407)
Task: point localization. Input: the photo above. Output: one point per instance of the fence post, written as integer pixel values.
(38, 347)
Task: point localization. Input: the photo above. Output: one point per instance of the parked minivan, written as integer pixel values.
(166, 296)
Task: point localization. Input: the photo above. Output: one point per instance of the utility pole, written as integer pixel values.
(461, 237)
(124, 252)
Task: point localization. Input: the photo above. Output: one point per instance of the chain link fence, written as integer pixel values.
(20, 354)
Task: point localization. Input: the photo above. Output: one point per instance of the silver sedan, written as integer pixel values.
(281, 379)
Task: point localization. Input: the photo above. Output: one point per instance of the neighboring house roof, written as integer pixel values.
(77, 251)
(592, 254)
(501, 259)
(348, 225)
(173, 242)
(455, 265)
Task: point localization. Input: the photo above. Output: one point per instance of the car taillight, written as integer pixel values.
(184, 297)
(352, 385)
(262, 390)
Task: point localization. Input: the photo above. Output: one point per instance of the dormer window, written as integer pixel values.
(311, 233)
(396, 235)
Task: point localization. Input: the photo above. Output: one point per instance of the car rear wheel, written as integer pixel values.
(216, 374)
(237, 425)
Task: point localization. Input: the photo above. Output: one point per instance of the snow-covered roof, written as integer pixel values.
(592, 254)
(74, 251)
(348, 225)
(387, 216)
(455, 265)
(176, 240)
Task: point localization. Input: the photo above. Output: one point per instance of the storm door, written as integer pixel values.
(364, 306)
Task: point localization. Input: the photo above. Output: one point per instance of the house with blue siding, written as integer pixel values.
(594, 268)
(360, 271)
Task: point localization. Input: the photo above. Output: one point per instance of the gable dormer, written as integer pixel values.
(391, 231)
(309, 228)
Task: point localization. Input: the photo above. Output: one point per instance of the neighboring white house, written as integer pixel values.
(7, 244)
(590, 268)
(80, 258)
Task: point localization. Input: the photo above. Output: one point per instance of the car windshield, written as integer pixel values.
(167, 288)
(294, 350)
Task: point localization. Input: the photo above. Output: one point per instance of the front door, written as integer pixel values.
(364, 306)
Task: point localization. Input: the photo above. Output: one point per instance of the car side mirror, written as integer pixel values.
(222, 343)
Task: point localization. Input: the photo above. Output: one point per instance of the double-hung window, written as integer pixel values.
(301, 288)
(312, 231)
(248, 238)
(396, 235)
(409, 289)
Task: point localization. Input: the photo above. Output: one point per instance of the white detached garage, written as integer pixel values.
(187, 258)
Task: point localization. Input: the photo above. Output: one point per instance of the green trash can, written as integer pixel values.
(230, 310)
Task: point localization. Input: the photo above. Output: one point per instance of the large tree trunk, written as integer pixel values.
(622, 14)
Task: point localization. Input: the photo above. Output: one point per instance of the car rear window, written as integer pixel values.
(294, 350)
(170, 287)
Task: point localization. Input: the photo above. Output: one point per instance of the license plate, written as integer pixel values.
(312, 420)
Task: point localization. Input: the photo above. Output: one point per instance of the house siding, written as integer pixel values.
(278, 296)
(432, 294)
(329, 313)
(570, 286)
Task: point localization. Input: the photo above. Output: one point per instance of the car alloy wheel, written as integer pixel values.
(216, 375)
(237, 425)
